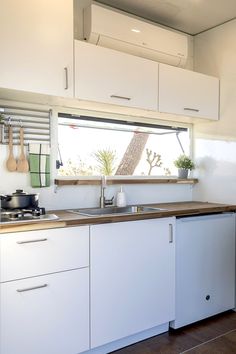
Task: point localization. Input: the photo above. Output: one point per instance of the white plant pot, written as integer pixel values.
(182, 173)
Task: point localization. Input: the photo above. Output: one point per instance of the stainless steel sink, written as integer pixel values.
(133, 209)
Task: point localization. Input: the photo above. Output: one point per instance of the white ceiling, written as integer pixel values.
(189, 16)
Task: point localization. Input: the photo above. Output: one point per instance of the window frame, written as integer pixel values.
(129, 120)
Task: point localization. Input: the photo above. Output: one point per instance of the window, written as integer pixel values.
(90, 146)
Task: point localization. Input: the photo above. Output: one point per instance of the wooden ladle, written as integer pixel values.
(11, 162)
(22, 163)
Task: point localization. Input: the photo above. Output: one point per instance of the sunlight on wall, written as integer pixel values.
(215, 142)
(216, 170)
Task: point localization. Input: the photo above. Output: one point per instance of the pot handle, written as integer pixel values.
(7, 198)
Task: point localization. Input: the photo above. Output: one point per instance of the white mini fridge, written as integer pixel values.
(205, 267)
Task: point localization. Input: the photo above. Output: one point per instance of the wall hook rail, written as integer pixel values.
(36, 125)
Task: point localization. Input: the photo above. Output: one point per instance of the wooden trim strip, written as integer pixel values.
(4, 228)
(80, 182)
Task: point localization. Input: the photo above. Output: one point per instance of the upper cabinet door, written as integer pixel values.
(37, 46)
(188, 93)
(108, 76)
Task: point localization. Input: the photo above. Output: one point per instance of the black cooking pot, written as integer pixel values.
(19, 200)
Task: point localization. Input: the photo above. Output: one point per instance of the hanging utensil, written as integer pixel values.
(11, 162)
(22, 164)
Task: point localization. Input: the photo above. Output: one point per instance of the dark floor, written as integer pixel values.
(216, 335)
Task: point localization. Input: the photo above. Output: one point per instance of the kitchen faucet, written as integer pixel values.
(103, 201)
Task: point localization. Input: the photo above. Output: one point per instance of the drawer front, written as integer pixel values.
(33, 253)
(45, 315)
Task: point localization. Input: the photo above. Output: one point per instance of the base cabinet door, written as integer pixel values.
(132, 278)
(205, 267)
(45, 315)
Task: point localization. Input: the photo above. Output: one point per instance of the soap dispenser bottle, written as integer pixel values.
(121, 199)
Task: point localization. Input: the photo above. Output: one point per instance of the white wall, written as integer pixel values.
(215, 142)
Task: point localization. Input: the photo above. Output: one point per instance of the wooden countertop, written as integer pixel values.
(67, 218)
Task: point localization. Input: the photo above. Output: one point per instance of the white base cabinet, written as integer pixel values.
(45, 315)
(205, 267)
(44, 291)
(132, 278)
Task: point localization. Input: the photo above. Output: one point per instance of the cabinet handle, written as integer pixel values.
(66, 78)
(121, 97)
(31, 241)
(32, 288)
(191, 109)
(170, 233)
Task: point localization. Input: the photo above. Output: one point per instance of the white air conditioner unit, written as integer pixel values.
(117, 30)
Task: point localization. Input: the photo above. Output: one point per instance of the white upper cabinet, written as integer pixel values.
(37, 46)
(108, 76)
(188, 93)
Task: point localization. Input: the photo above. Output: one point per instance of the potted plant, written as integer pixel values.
(184, 164)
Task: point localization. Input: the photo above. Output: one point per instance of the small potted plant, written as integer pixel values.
(184, 164)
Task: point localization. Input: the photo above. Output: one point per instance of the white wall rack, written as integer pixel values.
(36, 124)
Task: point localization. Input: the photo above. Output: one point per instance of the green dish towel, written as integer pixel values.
(39, 162)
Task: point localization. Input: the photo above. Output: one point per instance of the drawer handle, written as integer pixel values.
(121, 97)
(170, 233)
(32, 288)
(31, 241)
(191, 109)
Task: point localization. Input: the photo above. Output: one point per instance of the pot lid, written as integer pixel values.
(19, 192)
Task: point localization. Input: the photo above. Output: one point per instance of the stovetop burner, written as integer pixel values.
(30, 214)
(14, 214)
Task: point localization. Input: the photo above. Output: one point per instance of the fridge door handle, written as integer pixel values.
(171, 238)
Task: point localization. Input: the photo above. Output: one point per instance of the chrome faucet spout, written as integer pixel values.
(103, 181)
(103, 201)
(103, 187)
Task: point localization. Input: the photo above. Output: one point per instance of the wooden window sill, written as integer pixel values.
(112, 181)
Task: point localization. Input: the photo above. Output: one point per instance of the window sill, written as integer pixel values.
(121, 180)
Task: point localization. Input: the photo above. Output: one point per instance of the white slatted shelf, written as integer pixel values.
(36, 124)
